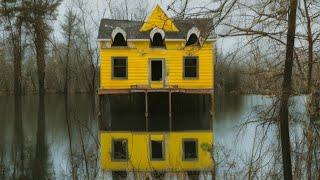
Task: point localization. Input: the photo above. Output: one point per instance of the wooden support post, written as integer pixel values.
(211, 110)
(99, 106)
(170, 112)
(146, 110)
(108, 109)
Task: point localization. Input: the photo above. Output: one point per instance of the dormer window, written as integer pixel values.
(157, 37)
(119, 37)
(193, 36)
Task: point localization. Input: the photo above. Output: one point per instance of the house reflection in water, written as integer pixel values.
(156, 80)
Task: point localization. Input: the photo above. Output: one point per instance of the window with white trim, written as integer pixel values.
(119, 67)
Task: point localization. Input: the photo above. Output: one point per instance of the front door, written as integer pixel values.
(156, 73)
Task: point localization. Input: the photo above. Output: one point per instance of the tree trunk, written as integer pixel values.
(66, 83)
(17, 62)
(286, 92)
(16, 34)
(41, 149)
(40, 39)
(310, 47)
(40, 170)
(309, 133)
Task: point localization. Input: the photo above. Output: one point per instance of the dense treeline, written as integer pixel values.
(70, 61)
(80, 71)
(253, 78)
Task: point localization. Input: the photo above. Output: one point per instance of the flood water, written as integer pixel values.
(73, 125)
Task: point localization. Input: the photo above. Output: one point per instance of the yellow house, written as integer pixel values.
(160, 55)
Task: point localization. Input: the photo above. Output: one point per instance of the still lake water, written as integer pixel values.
(230, 112)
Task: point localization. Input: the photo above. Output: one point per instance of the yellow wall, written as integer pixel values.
(139, 53)
(139, 154)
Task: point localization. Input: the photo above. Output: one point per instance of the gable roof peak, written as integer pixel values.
(158, 19)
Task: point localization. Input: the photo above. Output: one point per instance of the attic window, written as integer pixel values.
(119, 37)
(157, 37)
(193, 36)
(119, 40)
(193, 39)
(157, 41)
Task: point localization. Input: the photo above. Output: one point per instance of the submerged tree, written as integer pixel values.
(38, 13)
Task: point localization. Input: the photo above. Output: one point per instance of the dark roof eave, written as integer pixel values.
(132, 28)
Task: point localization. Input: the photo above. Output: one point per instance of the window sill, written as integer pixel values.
(119, 79)
(120, 47)
(190, 78)
(158, 48)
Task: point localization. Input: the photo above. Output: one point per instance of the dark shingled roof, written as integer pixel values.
(132, 28)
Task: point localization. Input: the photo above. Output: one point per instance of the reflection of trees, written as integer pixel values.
(190, 111)
(30, 158)
(83, 141)
(228, 105)
(40, 162)
(66, 106)
(18, 141)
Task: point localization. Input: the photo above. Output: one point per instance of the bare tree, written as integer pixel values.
(125, 11)
(268, 21)
(69, 33)
(11, 12)
(308, 13)
(91, 51)
(287, 91)
(38, 13)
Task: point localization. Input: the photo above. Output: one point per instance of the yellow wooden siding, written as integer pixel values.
(139, 55)
(139, 151)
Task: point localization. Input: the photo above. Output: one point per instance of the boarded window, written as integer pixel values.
(157, 150)
(158, 175)
(119, 67)
(120, 149)
(157, 40)
(191, 67)
(119, 175)
(190, 149)
(193, 175)
(193, 39)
